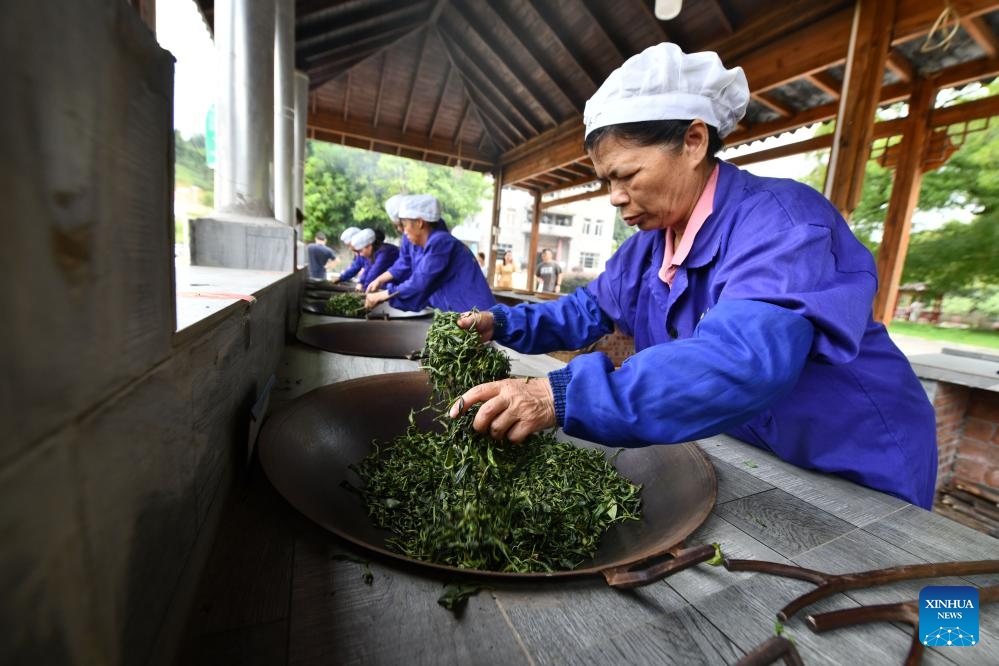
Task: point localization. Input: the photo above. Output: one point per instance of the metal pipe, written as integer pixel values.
(301, 122)
(284, 110)
(244, 42)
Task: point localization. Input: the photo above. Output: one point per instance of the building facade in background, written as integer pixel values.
(580, 234)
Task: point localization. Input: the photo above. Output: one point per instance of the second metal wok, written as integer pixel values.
(307, 445)
(400, 338)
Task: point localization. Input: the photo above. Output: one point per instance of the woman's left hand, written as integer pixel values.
(511, 408)
(374, 298)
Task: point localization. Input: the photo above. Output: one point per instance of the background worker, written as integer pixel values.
(445, 273)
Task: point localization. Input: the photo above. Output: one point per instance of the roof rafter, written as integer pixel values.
(505, 62)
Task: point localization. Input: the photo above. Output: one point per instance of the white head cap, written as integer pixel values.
(664, 83)
(362, 239)
(347, 234)
(424, 207)
(392, 207)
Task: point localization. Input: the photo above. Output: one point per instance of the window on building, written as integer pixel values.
(589, 259)
(598, 228)
(556, 219)
(502, 249)
(587, 226)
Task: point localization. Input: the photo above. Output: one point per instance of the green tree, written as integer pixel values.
(189, 164)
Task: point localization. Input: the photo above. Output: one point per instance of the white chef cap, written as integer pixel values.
(347, 234)
(392, 207)
(664, 83)
(424, 207)
(362, 239)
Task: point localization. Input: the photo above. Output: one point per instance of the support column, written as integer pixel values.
(284, 111)
(242, 231)
(298, 169)
(870, 39)
(493, 253)
(904, 197)
(301, 122)
(532, 255)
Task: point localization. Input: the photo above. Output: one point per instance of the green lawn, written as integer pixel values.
(960, 336)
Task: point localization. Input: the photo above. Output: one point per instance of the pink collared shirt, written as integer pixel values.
(705, 204)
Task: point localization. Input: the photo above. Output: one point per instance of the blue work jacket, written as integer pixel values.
(355, 267)
(445, 276)
(766, 334)
(380, 261)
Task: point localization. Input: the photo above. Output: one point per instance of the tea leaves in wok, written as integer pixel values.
(460, 498)
(346, 305)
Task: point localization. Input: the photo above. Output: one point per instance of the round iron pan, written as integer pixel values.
(399, 338)
(306, 446)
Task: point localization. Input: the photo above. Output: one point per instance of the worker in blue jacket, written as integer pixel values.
(445, 274)
(402, 267)
(378, 255)
(749, 300)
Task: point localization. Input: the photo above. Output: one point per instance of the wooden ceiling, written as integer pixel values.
(502, 84)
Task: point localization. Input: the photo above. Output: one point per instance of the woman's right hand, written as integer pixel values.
(481, 322)
(374, 286)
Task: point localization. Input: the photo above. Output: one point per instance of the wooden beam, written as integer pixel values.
(448, 68)
(481, 100)
(651, 17)
(381, 90)
(826, 83)
(870, 39)
(505, 62)
(776, 107)
(415, 80)
(559, 37)
(898, 64)
(501, 12)
(494, 224)
(980, 31)
(535, 229)
(579, 181)
(332, 123)
(489, 87)
(904, 197)
(554, 150)
(600, 191)
(620, 50)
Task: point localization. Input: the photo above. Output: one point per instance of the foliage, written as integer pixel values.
(956, 256)
(190, 167)
(570, 281)
(956, 336)
(346, 187)
(622, 232)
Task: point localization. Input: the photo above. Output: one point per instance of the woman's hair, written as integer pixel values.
(668, 133)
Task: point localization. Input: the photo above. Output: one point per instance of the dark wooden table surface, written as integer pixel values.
(278, 590)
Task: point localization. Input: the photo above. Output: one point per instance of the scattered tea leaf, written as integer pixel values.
(455, 597)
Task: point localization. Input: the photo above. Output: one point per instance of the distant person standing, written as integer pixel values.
(548, 276)
(319, 256)
(482, 262)
(505, 271)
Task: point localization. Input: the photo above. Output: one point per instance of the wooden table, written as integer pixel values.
(277, 589)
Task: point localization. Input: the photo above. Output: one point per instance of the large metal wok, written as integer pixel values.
(307, 445)
(400, 338)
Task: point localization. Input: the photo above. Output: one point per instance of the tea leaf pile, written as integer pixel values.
(346, 305)
(460, 498)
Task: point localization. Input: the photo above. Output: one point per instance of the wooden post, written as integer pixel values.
(870, 39)
(532, 256)
(904, 197)
(492, 254)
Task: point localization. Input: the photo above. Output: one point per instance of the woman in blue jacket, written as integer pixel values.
(445, 274)
(749, 300)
